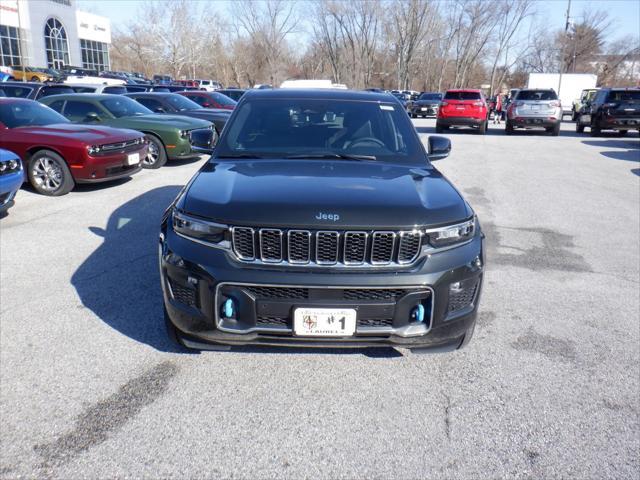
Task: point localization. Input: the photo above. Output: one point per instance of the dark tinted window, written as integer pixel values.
(133, 89)
(117, 90)
(233, 94)
(48, 91)
(151, 103)
(285, 127)
(462, 96)
(18, 92)
(84, 89)
(623, 96)
(22, 114)
(431, 96)
(124, 107)
(198, 99)
(222, 99)
(536, 95)
(181, 103)
(78, 111)
(57, 106)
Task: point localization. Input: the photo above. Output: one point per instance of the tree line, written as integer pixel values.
(425, 45)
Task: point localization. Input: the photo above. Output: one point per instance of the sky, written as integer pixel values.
(624, 13)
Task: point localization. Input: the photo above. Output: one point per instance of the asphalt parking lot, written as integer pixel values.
(548, 387)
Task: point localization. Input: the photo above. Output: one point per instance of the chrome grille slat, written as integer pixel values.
(270, 245)
(299, 246)
(351, 248)
(327, 246)
(355, 248)
(382, 247)
(244, 243)
(409, 244)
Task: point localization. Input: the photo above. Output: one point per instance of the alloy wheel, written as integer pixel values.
(48, 174)
(152, 155)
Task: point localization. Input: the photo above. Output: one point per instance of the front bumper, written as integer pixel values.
(9, 186)
(197, 279)
(102, 168)
(430, 110)
(197, 142)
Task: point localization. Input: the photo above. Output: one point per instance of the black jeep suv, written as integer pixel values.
(320, 221)
(611, 109)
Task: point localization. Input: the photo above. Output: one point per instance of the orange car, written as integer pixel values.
(34, 74)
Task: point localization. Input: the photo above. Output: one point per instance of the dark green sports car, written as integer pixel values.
(170, 137)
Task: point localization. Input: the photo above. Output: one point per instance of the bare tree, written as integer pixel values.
(410, 22)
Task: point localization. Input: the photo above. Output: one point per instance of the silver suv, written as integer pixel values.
(535, 108)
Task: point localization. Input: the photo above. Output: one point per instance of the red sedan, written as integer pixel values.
(210, 99)
(56, 153)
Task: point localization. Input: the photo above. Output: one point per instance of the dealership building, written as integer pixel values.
(52, 33)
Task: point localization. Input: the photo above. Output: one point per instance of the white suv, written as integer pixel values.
(209, 85)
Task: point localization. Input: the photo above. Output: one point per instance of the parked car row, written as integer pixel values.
(66, 137)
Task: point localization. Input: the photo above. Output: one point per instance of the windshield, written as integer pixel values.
(624, 96)
(12, 91)
(25, 114)
(223, 99)
(536, 95)
(182, 103)
(431, 96)
(462, 96)
(277, 128)
(124, 107)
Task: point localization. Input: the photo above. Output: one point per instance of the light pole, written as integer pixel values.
(566, 30)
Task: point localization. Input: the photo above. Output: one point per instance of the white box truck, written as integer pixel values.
(568, 86)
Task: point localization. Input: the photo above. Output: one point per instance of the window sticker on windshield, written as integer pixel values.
(386, 107)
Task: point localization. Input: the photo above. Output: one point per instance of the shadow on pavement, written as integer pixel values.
(636, 171)
(628, 150)
(119, 281)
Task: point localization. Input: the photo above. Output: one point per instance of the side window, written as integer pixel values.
(599, 98)
(199, 99)
(151, 103)
(79, 111)
(57, 106)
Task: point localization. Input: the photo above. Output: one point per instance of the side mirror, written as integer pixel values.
(92, 117)
(439, 147)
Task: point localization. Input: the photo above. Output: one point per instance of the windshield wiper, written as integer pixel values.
(342, 156)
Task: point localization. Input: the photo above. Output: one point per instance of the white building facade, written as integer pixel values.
(52, 33)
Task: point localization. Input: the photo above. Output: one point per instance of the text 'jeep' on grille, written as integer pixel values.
(320, 220)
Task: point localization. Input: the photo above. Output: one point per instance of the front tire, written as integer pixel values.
(579, 126)
(157, 155)
(555, 131)
(49, 174)
(439, 128)
(595, 130)
(622, 133)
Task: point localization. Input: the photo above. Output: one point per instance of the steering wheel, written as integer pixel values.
(373, 140)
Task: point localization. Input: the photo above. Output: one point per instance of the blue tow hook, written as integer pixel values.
(228, 308)
(417, 314)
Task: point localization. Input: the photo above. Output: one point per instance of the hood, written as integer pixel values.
(89, 134)
(322, 195)
(168, 121)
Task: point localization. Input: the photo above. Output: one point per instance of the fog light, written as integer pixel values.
(228, 308)
(456, 287)
(417, 314)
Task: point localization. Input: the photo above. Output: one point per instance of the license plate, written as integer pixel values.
(324, 322)
(133, 159)
(535, 108)
(423, 109)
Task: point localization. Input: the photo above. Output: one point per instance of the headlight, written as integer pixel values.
(452, 234)
(198, 229)
(184, 133)
(93, 149)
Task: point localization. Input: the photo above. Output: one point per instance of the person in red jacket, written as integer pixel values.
(497, 113)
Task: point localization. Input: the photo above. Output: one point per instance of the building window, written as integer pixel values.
(55, 40)
(9, 46)
(95, 55)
